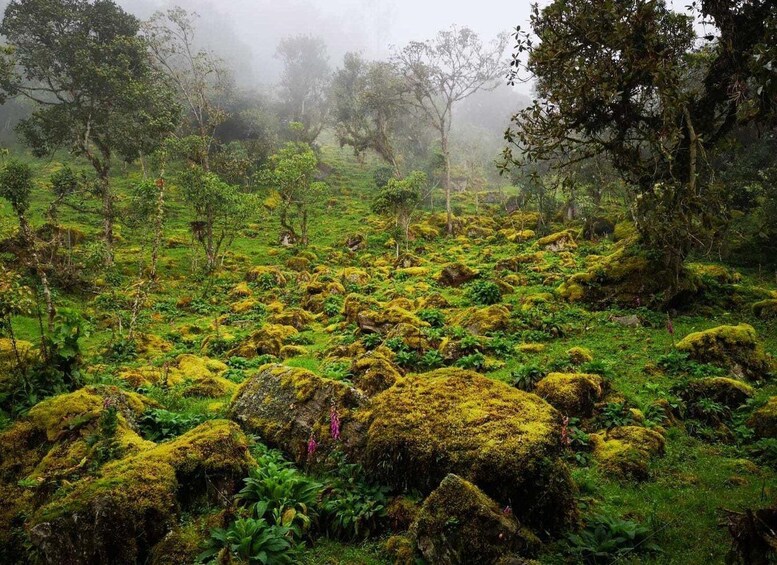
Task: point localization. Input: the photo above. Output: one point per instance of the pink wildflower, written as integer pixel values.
(334, 422)
(669, 326)
(312, 445)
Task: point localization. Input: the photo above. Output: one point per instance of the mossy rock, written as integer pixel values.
(286, 406)
(140, 497)
(764, 420)
(454, 421)
(267, 340)
(297, 318)
(352, 275)
(573, 394)
(734, 347)
(559, 241)
(456, 274)
(241, 290)
(766, 309)
(187, 369)
(728, 392)
(269, 272)
(411, 336)
(480, 321)
(580, 355)
(460, 525)
(374, 373)
(384, 320)
(628, 277)
(625, 452)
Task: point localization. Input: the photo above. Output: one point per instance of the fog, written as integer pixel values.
(246, 32)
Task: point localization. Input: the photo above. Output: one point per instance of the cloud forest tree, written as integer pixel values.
(304, 85)
(88, 72)
(630, 80)
(444, 71)
(368, 107)
(200, 79)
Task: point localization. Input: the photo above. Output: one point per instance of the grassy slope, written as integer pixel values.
(689, 484)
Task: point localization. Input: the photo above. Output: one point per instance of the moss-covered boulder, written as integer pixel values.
(374, 372)
(766, 309)
(625, 452)
(266, 275)
(480, 321)
(627, 277)
(267, 340)
(133, 503)
(764, 419)
(559, 241)
(728, 392)
(453, 421)
(200, 376)
(297, 318)
(460, 525)
(385, 319)
(286, 406)
(456, 274)
(573, 394)
(736, 348)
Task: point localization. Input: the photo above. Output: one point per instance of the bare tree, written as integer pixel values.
(444, 71)
(200, 78)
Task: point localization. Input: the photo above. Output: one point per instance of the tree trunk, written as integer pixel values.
(447, 182)
(105, 188)
(29, 239)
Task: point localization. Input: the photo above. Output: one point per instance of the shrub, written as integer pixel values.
(252, 541)
(475, 361)
(606, 539)
(159, 424)
(615, 414)
(485, 293)
(525, 377)
(433, 317)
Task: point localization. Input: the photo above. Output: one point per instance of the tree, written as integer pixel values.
(368, 107)
(199, 78)
(304, 85)
(629, 80)
(221, 211)
(292, 173)
(399, 199)
(87, 70)
(16, 187)
(444, 71)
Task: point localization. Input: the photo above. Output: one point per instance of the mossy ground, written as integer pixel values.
(686, 487)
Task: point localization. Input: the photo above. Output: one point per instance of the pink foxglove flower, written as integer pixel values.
(312, 445)
(334, 422)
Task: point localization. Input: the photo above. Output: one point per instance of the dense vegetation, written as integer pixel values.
(316, 326)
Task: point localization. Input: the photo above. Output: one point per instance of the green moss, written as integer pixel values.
(764, 420)
(480, 321)
(286, 405)
(580, 355)
(267, 340)
(735, 347)
(140, 496)
(625, 452)
(458, 523)
(558, 241)
(766, 309)
(456, 274)
(374, 372)
(574, 394)
(729, 392)
(454, 421)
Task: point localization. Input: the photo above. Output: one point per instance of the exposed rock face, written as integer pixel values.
(734, 347)
(459, 524)
(454, 421)
(286, 406)
(456, 274)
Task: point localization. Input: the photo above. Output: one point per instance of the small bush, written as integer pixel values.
(606, 539)
(485, 293)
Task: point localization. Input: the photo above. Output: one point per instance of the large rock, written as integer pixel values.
(734, 347)
(480, 321)
(134, 502)
(286, 406)
(267, 340)
(459, 524)
(728, 392)
(385, 319)
(764, 420)
(625, 451)
(574, 394)
(453, 421)
(456, 274)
